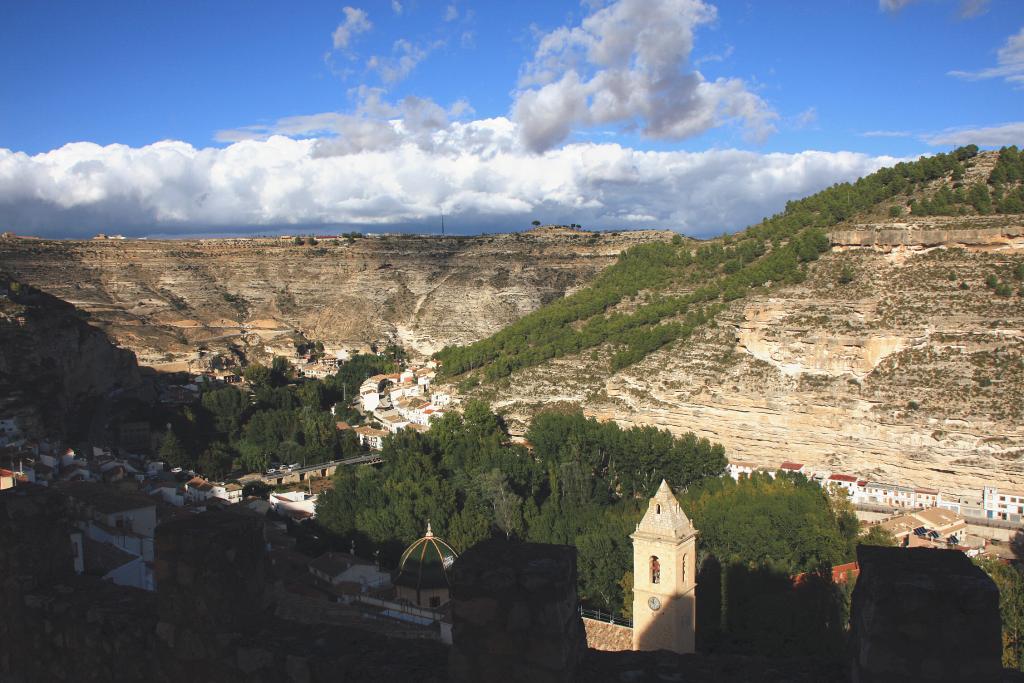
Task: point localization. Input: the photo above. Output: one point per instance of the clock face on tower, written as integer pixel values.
(654, 603)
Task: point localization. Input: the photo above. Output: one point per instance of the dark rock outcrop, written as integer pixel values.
(920, 614)
(206, 622)
(54, 366)
(516, 614)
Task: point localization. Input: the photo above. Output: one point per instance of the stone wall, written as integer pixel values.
(921, 614)
(515, 614)
(607, 637)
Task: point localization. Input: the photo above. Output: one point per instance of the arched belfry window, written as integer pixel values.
(655, 569)
(657, 509)
(682, 573)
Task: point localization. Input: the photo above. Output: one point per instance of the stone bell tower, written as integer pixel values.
(664, 576)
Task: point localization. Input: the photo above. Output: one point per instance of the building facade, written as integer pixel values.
(1005, 505)
(664, 577)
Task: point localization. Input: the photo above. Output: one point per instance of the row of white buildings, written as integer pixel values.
(402, 400)
(995, 502)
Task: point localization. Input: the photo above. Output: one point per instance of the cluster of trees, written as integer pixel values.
(1009, 167)
(755, 536)
(281, 420)
(1003, 192)
(583, 483)
(772, 252)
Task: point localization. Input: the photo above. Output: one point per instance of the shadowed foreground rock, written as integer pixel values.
(208, 621)
(919, 615)
(923, 615)
(515, 612)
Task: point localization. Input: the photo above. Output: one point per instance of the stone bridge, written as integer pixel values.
(324, 469)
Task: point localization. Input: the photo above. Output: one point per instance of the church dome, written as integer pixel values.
(426, 563)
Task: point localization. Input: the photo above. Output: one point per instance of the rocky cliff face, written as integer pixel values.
(56, 369)
(162, 299)
(911, 372)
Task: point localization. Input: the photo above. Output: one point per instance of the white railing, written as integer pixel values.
(607, 617)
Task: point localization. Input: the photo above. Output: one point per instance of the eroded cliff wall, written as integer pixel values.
(911, 372)
(56, 370)
(163, 298)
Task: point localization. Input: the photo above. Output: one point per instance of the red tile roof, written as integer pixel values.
(791, 466)
(843, 477)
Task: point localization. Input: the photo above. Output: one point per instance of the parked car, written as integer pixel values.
(294, 466)
(272, 471)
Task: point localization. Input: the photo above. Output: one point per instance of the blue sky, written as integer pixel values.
(258, 116)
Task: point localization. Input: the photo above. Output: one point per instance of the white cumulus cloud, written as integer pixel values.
(628, 64)
(356, 22)
(396, 174)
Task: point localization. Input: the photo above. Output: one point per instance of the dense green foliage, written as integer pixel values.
(281, 420)
(772, 252)
(582, 484)
(787, 523)
(1003, 193)
(586, 484)
(877, 535)
(755, 536)
(1011, 608)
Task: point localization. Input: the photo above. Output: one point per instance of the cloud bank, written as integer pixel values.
(478, 172)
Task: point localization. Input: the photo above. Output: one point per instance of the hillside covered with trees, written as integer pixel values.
(656, 293)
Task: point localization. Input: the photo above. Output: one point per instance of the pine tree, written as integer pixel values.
(172, 451)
